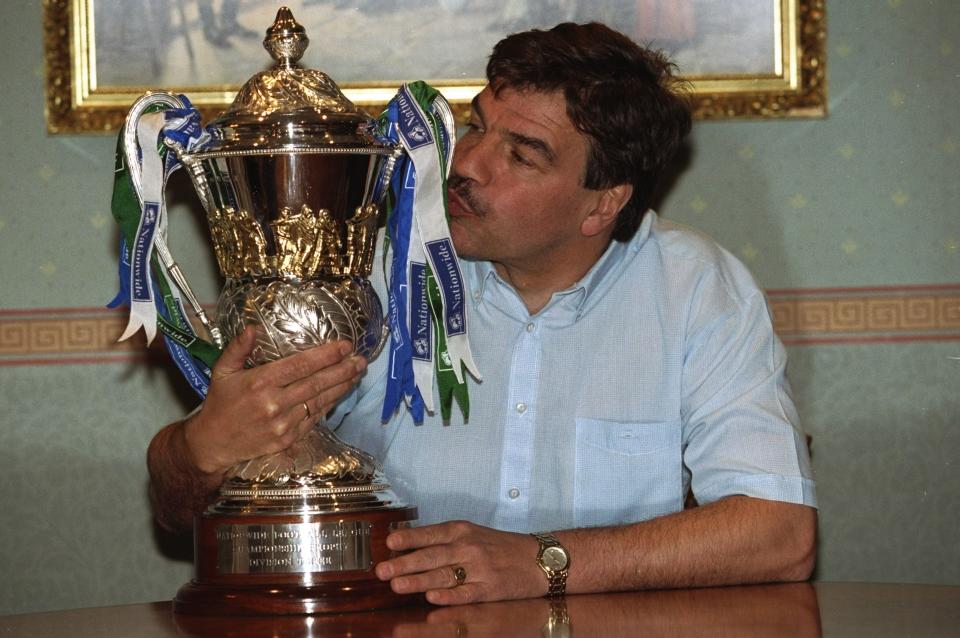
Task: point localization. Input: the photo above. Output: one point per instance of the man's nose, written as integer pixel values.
(470, 160)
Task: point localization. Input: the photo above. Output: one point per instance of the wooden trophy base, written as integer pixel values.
(292, 563)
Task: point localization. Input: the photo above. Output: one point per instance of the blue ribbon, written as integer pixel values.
(451, 283)
(400, 379)
(421, 333)
(123, 272)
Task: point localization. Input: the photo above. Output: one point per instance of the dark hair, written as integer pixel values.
(623, 97)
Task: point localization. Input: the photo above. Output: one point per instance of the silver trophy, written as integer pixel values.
(290, 182)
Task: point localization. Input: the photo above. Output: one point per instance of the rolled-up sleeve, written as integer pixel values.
(741, 431)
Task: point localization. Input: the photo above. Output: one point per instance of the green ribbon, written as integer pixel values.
(125, 208)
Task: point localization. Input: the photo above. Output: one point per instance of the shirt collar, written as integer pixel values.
(569, 304)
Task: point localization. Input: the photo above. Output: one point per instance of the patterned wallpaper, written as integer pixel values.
(850, 223)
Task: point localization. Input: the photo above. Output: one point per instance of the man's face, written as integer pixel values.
(516, 193)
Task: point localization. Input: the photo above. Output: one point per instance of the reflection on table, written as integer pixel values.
(828, 609)
(786, 610)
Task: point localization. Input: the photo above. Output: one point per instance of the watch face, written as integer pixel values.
(555, 558)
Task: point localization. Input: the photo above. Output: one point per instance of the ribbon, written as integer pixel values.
(139, 207)
(142, 312)
(427, 300)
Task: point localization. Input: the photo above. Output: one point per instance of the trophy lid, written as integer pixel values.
(289, 108)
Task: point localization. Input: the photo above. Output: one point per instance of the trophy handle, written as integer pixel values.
(131, 149)
(441, 109)
(132, 152)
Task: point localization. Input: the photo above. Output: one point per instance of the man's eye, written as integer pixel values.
(474, 127)
(520, 159)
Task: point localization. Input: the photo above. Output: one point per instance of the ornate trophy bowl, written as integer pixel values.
(291, 180)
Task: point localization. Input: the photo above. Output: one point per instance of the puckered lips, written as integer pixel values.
(457, 206)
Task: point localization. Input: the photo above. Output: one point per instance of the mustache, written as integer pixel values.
(462, 186)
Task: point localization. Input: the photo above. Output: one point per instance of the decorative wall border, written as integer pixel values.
(807, 316)
(51, 336)
(820, 316)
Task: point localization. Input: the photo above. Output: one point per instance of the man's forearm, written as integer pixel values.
(733, 541)
(178, 489)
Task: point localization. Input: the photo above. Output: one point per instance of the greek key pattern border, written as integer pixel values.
(820, 316)
(50, 336)
(812, 316)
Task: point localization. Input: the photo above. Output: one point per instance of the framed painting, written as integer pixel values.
(742, 58)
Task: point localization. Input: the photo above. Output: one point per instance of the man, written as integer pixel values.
(627, 362)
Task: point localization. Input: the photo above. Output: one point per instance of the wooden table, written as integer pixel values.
(821, 609)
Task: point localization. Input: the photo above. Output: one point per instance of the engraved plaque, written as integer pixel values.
(294, 548)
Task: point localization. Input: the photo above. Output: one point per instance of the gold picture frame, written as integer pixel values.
(793, 84)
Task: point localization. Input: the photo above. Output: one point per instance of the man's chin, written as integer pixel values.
(464, 252)
(460, 237)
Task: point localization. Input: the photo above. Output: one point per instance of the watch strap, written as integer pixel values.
(556, 578)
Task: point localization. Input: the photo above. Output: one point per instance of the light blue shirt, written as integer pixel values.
(657, 373)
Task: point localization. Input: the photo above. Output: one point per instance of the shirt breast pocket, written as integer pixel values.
(626, 472)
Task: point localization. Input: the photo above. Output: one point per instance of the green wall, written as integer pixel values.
(865, 199)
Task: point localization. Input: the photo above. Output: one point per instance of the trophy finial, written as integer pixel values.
(286, 39)
(289, 106)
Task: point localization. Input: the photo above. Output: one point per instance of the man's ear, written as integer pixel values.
(604, 215)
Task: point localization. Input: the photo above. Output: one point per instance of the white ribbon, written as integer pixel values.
(153, 224)
(430, 239)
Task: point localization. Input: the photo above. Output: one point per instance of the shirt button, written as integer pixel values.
(514, 493)
(531, 327)
(521, 408)
(476, 295)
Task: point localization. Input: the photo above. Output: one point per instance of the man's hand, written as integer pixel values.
(736, 540)
(499, 565)
(250, 412)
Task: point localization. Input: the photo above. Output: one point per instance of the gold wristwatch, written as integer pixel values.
(554, 560)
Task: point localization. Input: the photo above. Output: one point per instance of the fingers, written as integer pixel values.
(462, 595)
(431, 566)
(419, 562)
(459, 562)
(303, 364)
(306, 401)
(440, 586)
(235, 355)
(325, 387)
(262, 410)
(293, 426)
(285, 429)
(293, 368)
(305, 424)
(432, 580)
(417, 537)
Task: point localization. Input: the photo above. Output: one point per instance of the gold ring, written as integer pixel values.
(459, 574)
(307, 408)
